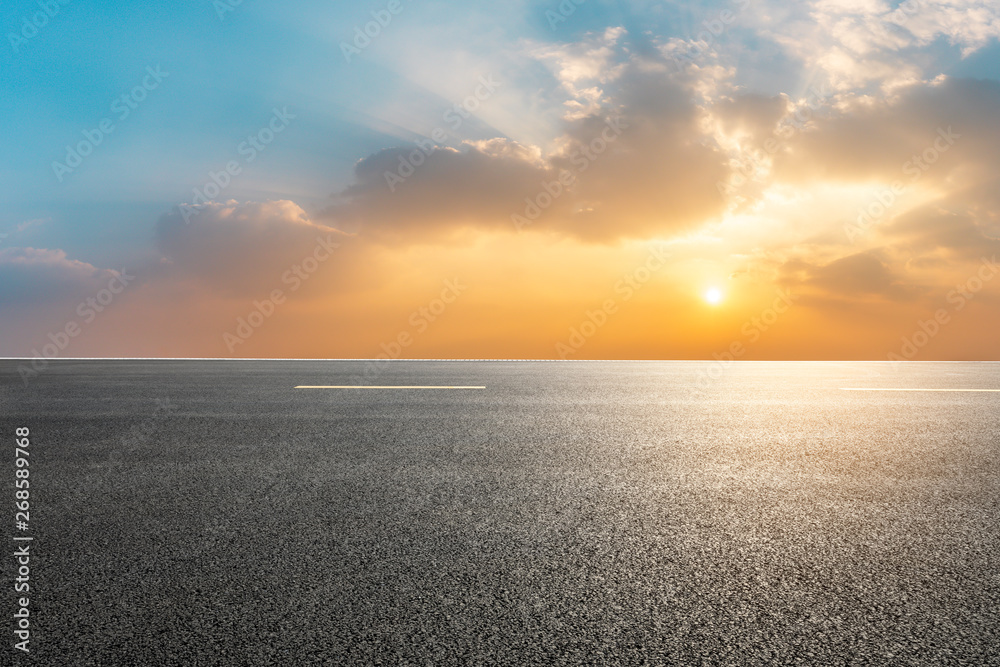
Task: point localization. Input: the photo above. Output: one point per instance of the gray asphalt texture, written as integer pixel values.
(599, 513)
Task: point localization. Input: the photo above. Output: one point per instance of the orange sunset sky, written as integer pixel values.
(542, 180)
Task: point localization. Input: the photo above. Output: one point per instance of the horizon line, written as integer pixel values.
(428, 359)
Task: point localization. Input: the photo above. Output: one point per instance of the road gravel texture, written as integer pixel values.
(574, 513)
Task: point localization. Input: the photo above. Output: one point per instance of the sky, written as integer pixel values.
(582, 179)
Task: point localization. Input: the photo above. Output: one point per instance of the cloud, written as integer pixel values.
(964, 225)
(939, 142)
(752, 115)
(31, 275)
(969, 24)
(28, 224)
(639, 166)
(479, 186)
(583, 68)
(855, 277)
(241, 248)
(874, 140)
(860, 43)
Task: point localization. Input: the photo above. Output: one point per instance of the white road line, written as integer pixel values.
(892, 389)
(362, 386)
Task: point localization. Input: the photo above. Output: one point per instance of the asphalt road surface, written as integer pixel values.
(602, 513)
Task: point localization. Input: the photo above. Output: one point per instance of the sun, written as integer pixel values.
(713, 296)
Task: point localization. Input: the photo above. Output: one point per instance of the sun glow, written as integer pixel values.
(713, 296)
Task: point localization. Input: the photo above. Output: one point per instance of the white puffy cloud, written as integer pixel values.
(861, 42)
